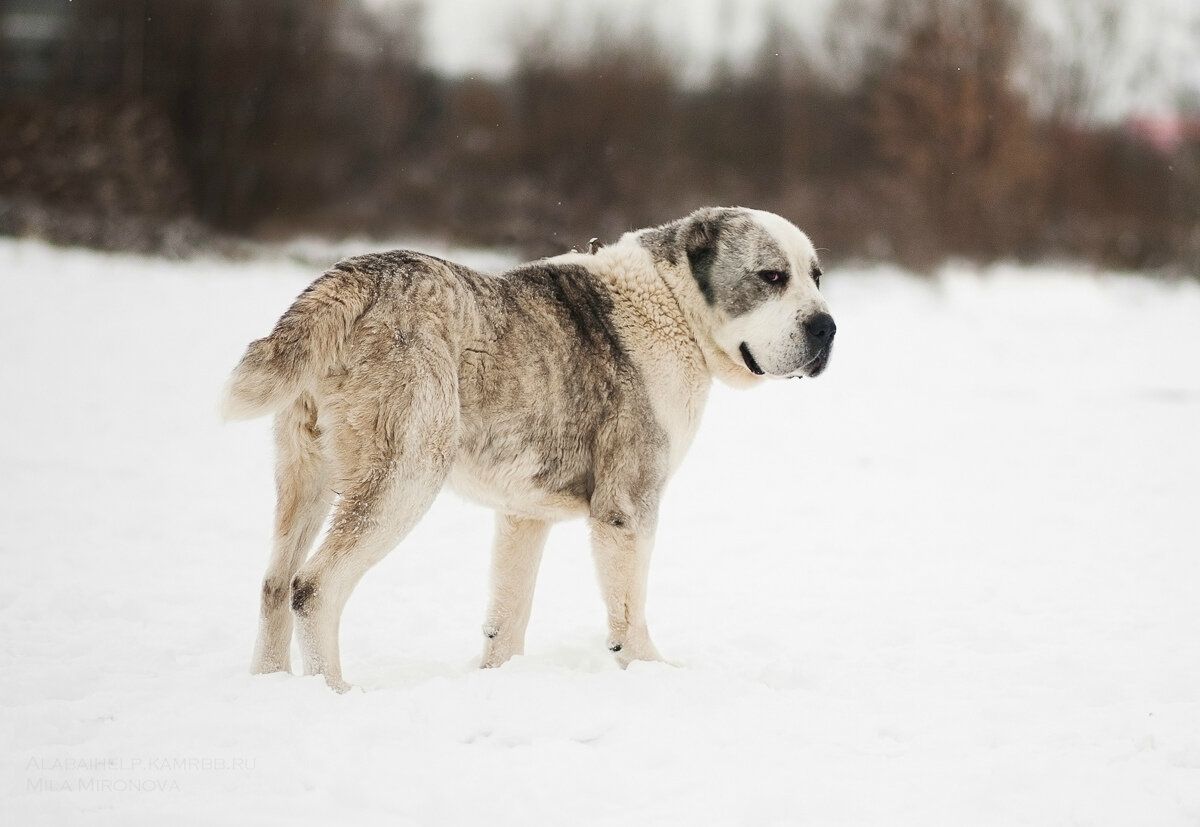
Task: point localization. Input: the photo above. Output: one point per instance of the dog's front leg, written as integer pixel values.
(515, 560)
(622, 547)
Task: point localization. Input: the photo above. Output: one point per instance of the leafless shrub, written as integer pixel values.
(277, 116)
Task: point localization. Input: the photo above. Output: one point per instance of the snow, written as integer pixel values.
(952, 581)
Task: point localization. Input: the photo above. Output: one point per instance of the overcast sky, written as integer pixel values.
(1151, 60)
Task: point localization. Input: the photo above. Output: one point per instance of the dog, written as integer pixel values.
(570, 386)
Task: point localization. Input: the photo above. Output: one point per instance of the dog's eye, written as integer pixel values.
(816, 275)
(776, 277)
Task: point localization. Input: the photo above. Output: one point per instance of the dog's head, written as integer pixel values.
(760, 277)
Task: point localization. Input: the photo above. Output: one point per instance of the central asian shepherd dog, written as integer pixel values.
(570, 386)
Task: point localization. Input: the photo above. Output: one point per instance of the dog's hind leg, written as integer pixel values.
(371, 518)
(515, 560)
(395, 439)
(303, 500)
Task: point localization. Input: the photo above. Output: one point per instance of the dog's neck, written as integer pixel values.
(666, 295)
(697, 315)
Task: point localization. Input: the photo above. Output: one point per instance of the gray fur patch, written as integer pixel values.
(274, 593)
(543, 375)
(302, 594)
(726, 250)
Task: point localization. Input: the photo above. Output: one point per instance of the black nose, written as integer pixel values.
(820, 328)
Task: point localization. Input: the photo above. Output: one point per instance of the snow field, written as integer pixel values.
(952, 581)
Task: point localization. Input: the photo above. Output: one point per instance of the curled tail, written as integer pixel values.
(306, 342)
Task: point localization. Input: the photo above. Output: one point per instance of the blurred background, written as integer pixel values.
(906, 130)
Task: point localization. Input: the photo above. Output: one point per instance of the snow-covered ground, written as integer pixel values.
(951, 582)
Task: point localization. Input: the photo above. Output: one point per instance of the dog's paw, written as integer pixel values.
(267, 666)
(495, 656)
(491, 660)
(338, 685)
(499, 646)
(634, 647)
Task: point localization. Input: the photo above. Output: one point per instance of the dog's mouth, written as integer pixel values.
(748, 358)
(814, 366)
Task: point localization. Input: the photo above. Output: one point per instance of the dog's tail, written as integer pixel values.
(306, 342)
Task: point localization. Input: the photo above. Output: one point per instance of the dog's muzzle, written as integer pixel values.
(818, 341)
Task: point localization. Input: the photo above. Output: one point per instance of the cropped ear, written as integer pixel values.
(700, 233)
(700, 237)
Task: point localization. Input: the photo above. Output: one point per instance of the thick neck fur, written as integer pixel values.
(658, 284)
(675, 272)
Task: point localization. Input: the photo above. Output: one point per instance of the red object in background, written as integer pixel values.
(1166, 133)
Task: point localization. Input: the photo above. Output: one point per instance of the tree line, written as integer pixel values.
(276, 117)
